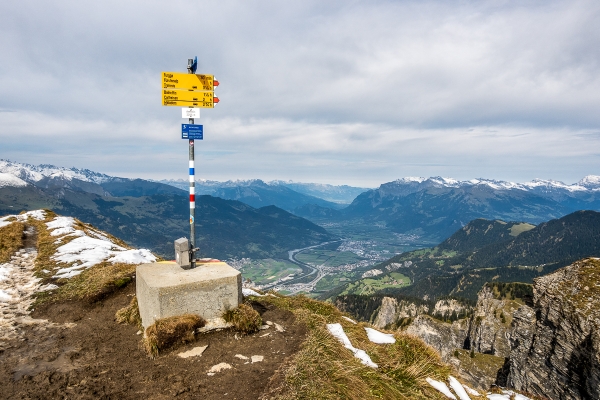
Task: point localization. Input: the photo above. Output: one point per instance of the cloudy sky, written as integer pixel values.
(343, 92)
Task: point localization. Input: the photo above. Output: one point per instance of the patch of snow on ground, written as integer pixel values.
(507, 395)
(349, 320)
(249, 292)
(36, 214)
(471, 391)
(17, 285)
(380, 337)
(441, 387)
(458, 388)
(4, 297)
(338, 332)
(84, 251)
(61, 226)
(133, 256)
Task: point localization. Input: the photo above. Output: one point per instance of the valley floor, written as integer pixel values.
(84, 354)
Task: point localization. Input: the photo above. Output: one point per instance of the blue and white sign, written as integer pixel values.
(190, 131)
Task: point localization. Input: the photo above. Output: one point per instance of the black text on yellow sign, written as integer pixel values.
(185, 98)
(177, 80)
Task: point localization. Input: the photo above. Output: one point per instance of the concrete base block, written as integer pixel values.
(166, 290)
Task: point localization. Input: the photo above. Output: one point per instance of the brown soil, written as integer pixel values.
(100, 359)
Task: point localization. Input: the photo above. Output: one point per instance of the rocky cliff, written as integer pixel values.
(442, 336)
(391, 311)
(477, 346)
(490, 324)
(556, 343)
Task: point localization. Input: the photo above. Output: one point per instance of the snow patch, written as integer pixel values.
(338, 332)
(471, 391)
(507, 395)
(133, 256)
(458, 388)
(249, 292)
(4, 296)
(441, 387)
(9, 219)
(17, 286)
(85, 251)
(380, 337)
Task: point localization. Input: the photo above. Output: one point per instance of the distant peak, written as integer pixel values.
(590, 182)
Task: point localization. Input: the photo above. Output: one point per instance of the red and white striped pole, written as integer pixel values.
(192, 195)
(192, 204)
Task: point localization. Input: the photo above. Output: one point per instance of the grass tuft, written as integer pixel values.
(96, 283)
(166, 332)
(245, 319)
(130, 314)
(11, 240)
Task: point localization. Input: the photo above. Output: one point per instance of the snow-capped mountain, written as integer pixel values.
(408, 185)
(437, 206)
(34, 173)
(11, 180)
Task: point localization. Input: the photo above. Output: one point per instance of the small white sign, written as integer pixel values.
(190, 113)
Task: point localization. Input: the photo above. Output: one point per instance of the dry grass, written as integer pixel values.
(166, 332)
(95, 283)
(45, 245)
(130, 314)
(11, 240)
(244, 318)
(324, 369)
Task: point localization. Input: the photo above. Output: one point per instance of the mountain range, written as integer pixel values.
(429, 208)
(288, 195)
(151, 214)
(437, 207)
(494, 251)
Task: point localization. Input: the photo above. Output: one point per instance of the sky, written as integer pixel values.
(341, 92)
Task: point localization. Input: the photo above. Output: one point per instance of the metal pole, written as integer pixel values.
(192, 204)
(192, 196)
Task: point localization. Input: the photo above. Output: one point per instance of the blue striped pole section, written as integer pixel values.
(192, 203)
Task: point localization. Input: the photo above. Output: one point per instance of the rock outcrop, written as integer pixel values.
(442, 336)
(556, 344)
(483, 337)
(490, 324)
(391, 311)
(448, 307)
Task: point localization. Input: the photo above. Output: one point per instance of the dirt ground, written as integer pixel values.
(85, 354)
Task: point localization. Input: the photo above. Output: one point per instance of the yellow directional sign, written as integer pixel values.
(186, 98)
(177, 80)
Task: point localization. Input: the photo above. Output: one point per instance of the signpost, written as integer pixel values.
(193, 91)
(192, 131)
(177, 80)
(187, 98)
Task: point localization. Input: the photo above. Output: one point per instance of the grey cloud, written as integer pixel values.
(333, 91)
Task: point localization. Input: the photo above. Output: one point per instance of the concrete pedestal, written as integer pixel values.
(166, 290)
